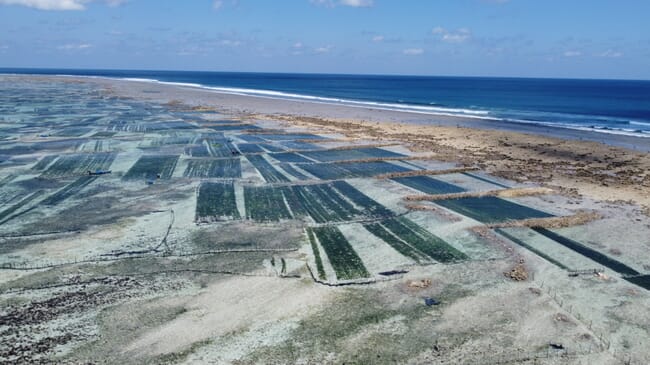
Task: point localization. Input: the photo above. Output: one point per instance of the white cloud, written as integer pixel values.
(352, 3)
(611, 54)
(114, 3)
(72, 46)
(378, 38)
(438, 30)
(230, 43)
(298, 45)
(572, 54)
(325, 49)
(459, 36)
(58, 4)
(413, 51)
(357, 3)
(217, 4)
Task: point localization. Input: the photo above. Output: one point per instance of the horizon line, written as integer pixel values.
(3, 69)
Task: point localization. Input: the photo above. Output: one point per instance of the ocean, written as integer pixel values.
(606, 106)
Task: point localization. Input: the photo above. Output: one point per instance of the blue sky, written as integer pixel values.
(536, 38)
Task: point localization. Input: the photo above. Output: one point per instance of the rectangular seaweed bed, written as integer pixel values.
(335, 202)
(642, 281)
(44, 162)
(346, 263)
(161, 126)
(221, 168)
(351, 154)
(238, 127)
(249, 148)
(268, 172)
(333, 171)
(302, 146)
(290, 136)
(491, 209)
(220, 147)
(70, 165)
(289, 157)
(199, 150)
(250, 138)
(271, 147)
(216, 201)
(152, 167)
(69, 190)
(429, 185)
(73, 131)
(578, 247)
(288, 168)
(413, 241)
(488, 209)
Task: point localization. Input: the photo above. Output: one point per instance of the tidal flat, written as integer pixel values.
(143, 223)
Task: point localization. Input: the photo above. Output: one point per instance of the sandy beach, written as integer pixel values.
(144, 223)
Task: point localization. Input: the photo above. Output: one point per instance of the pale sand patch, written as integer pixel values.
(230, 305)
(228, 348)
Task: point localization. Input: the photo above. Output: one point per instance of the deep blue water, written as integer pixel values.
(609, 106)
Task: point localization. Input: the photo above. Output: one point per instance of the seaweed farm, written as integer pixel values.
(213, 168)
(152, 167)
(216, 201)
(323, 203)
(125, 221)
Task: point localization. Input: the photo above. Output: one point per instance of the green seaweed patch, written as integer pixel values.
(346, 263)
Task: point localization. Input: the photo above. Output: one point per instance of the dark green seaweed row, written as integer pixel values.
(69, 165)
(350, 154)
(269, 173)
(412, 240)
(44, 162)
(237, 127)
(290, 157)
(399, 245)
(641, 280)
(7, 213)
(333, 171)
(530, 248)
(487, 209)
(265, 204)
(335, 202)
(198, 150)
(346, 263)
(370, 207)
(218, 147)
(249, 148)
(216, 201)
(271, 147)
(152, 166)
(73, 131)
(289, 136)
(221, 168)
(288, 168)
(491, 209)
(429, 185)
(317, 258)
(174, 140)
(69, 190)
(578, 247)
